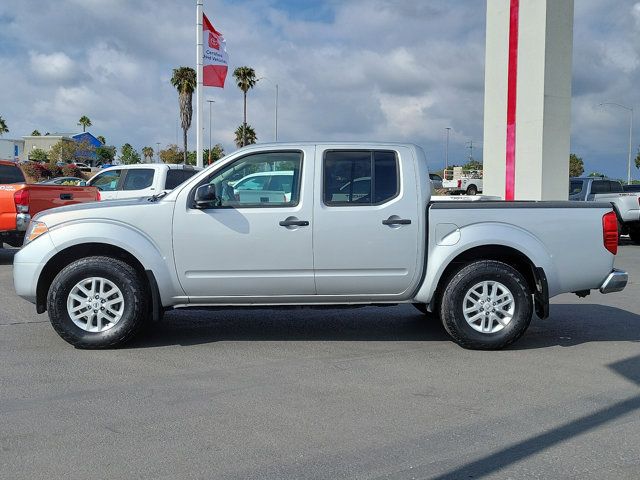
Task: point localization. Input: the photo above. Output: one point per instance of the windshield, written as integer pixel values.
(575, 187)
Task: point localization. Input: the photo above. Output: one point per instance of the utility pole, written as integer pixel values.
(470, 147)
(446, 151)
(210, 102)
(630, 110)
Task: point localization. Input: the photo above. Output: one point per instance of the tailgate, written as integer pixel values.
(8, 207)
(44, 197)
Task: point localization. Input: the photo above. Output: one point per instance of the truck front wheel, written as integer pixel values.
(486, 305)
(97, 302)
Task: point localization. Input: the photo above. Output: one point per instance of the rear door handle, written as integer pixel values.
(396, 221)
(294, 223)
(66, 196)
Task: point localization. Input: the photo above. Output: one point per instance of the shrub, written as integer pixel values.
(71, 170)
(36, 171)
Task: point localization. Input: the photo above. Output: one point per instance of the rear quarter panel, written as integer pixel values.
(566, 242)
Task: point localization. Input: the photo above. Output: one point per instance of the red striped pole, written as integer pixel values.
(512, 80)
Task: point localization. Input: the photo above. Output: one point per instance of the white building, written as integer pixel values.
(11, 149)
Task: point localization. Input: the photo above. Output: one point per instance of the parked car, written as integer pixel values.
(83, 167)
(106, 165)
(625, 204)
(102, 271)
(635, 187)
(469, 185)
(436, 181)
(140, 180)
(19, 201)
(65, 181)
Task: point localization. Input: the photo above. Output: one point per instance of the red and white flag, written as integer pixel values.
(215, 60)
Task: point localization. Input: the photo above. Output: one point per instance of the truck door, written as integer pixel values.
(366, 222)
(251, 246)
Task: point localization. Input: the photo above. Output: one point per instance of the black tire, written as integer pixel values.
(634, 234)
(451, 309)
(124, 276)
(472, 190)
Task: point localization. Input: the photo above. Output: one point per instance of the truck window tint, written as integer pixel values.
(600, 186)
(107, 181)
(616, 187)
(348, 174)
(575, 187)
(11, 174)
(175, 177)
(138, 179)
(260, 180)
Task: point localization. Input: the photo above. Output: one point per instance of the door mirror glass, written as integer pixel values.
(206, 196)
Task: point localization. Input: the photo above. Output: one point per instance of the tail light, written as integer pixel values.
(459, 183)
(21, 199)
(610, 232)
(98, 197)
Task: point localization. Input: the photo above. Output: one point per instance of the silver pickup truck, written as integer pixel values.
(625, 204)
(353, 225)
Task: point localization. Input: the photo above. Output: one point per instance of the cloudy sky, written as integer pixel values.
(347, 70)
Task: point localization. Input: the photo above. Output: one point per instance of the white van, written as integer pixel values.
(140, 180)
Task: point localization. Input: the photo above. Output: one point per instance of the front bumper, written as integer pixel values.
(615, 281)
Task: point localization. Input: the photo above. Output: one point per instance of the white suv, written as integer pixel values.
(140, 180)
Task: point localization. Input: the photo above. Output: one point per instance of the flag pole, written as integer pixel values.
(199, 52)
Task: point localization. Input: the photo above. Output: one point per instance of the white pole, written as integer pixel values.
(276, 112)
(199, 122)
(630, 137)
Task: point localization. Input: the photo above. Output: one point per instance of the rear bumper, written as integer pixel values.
(615, 282)
(22, 221)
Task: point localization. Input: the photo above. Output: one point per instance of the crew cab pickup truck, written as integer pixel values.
(140, 180)
(103, 270)
(625, 204)
(19, 201)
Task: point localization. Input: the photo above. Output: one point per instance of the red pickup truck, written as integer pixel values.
(19, 201)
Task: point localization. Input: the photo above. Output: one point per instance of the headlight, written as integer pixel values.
(34, 230)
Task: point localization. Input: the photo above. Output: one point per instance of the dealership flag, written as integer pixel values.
(215, 60)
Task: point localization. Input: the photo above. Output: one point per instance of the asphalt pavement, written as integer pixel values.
(370, 393)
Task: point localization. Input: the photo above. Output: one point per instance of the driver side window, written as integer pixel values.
(256, 180)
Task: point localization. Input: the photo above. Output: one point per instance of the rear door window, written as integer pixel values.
(11, 174)
(174, 178)
(600, 186)
(138, 179)
(360, 177)
(616, 187)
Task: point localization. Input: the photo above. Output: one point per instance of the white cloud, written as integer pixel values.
(54, 66)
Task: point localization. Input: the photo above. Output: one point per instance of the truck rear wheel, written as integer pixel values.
(486, 305)
(97, 302)
(472, 190)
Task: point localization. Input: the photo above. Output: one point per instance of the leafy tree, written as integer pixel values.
(3, 126)
(596, 174)
(246, 80)
(85, 122)
(184, 79)
(245, 135)
(576, 165)
(171, 154)
(129, 155)
(63, 151)
(637, 160)
(216, 153)
(147, 153)
(472, 165)
(35, 133)
(105, 154)
(38, 155)
(102, 139)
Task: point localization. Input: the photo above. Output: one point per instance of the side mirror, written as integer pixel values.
(206, 196)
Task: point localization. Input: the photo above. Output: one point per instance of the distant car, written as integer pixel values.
(106, 165)
(140, 180)
(65, 181)
(631, 188)
(436, 181)
(61, 164)
(83, 167)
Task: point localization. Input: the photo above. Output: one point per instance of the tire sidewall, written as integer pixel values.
(452, 310)
(122, 275)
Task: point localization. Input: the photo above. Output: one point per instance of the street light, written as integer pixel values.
(276, 109)
(446, 151)
(210, 102)
(630, 109)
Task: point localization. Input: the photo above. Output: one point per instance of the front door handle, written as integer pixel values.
(393, 220)
(66, 196)
(294, 223)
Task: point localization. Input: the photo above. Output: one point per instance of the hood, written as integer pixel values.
(97, 209)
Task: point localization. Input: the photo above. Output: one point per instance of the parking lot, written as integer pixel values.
(363, 393)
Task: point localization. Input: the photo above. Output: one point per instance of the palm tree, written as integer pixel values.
(102, 139)
(184, 79)
(85, 122)
(147, 152)
(35, 133)
(245, 135)
(3, 126)
(245, 79)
